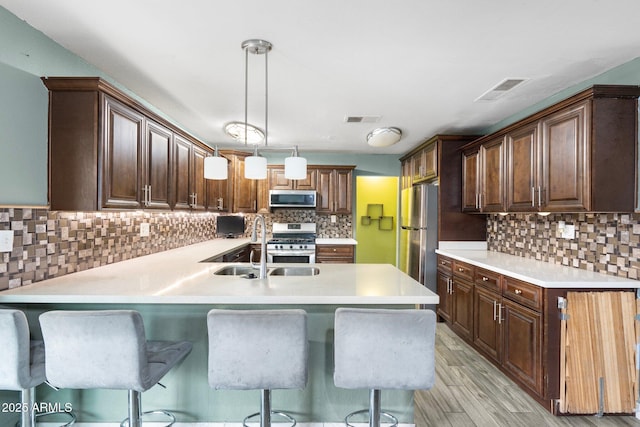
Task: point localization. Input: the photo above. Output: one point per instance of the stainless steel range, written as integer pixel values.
(292, 242)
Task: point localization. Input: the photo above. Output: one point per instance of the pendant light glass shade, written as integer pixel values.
(295, 167)
(255, 167)
(216, 167)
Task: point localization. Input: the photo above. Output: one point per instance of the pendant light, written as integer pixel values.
(295, 167)
(255, 166)
(215, 167)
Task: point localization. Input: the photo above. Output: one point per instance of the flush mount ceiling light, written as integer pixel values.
(384, 137)
(236, 131)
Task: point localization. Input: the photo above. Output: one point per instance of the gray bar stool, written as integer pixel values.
(381, 349)
(258, 350)
(107, 349)
(22, 367)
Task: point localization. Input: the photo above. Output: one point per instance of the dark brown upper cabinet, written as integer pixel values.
(578, 155)
(106, 151)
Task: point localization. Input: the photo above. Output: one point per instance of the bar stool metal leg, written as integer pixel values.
(136, 414)
(374, 412)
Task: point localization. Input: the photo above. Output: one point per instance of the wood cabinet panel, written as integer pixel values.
(487, 324)
(445, 292)
(565, 160)
(122, 154)
(157, 166)
(181, 168)
(523, 166)
(522, 355)
(492, 172)
(462, 313)
(277, 180)
(335, 253)
(471, 181)
(245, 191)
(335, 190)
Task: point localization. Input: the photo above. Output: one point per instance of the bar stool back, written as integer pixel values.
(107, 349)
(22, 367)
(258, 350)
(381, 349)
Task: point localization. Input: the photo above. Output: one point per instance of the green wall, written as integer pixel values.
(376, 245)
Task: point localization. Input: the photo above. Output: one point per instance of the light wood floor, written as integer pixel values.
(470, 391)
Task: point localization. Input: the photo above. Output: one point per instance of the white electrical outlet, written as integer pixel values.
(333, 219)
(144, 229)
(6, 240)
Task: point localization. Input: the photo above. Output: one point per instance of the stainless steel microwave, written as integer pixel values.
(292, 199)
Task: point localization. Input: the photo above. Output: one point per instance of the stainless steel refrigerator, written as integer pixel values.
(419, 233)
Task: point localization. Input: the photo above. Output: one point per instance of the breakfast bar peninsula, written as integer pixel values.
(174, 290)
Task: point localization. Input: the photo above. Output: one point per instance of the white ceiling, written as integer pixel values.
(419, 64)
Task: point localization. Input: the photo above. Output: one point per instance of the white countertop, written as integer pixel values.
(540, 273)
(336, 241)
(177, 277)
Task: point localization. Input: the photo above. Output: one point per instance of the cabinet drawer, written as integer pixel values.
(337, 250)
(462, 269)
(444, 264)
(523, 292)
(488, 279)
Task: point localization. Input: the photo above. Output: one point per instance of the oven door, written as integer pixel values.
(299, 257)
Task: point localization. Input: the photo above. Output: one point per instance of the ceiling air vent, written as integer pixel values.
(500, 89)
(362, 119)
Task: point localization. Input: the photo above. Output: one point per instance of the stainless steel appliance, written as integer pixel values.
(419, 233)
(292, 199)
(292, 242)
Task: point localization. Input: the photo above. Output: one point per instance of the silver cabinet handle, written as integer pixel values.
(149, 196)
(499, 313)
(539, 196)
(495, 306)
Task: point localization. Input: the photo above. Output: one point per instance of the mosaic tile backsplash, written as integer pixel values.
(606, 243)
(49, 244)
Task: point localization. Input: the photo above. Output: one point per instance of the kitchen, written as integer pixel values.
(89, 239)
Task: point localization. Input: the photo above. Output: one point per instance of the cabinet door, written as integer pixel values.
(244, 190)
(343, 188)
(565, 160)
(324, 200)
(462, 313)
(277, 180)
(442, 288)
(470, 181)
(122, 156)
(218, 192)
(492, 176)
(418, 166)
(181, 168)
(308, 183)
(157, 166)
(198, 181)
(407, 180)
(487, 327)
(522, 340)
(523, 170)
(431, 161)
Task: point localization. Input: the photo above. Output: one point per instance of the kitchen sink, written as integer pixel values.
(245, 271)
(295, 271)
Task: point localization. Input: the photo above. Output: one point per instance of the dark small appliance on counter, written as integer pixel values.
(229, 226)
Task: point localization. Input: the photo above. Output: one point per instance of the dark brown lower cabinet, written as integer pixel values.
(445, 292)
(487, 325)
(522, 341)
(462, 313)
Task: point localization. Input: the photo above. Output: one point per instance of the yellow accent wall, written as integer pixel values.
(375, 245)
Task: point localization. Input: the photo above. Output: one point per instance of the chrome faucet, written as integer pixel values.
(263, 246)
